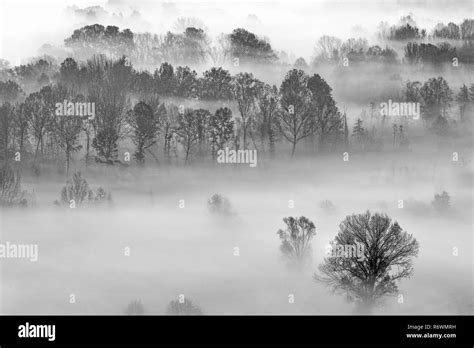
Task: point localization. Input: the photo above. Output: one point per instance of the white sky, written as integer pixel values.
(291, 25)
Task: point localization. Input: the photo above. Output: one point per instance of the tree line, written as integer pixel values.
(129, 105)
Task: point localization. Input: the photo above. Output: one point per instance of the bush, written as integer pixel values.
(185, 308)
(11, 193)
(327, 207)
(296, 241)
(219, 205)
(77, 190)
(441, 202)
(134, 308)
(101, 196)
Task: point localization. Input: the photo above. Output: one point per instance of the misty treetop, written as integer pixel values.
(155, 98)
(129, 105)
(387, 259)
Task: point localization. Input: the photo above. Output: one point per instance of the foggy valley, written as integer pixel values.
(195, 158)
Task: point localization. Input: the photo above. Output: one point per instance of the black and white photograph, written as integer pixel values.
(261, 159)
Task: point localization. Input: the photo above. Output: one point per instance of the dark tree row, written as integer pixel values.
(130, 105)
(407, 29)
(192, 46)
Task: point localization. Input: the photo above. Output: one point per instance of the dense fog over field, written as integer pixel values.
(210, 158)
(188, 251)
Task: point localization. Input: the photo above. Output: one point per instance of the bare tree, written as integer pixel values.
(66, 130)
(168, 128)
(387, 258)
(21, 127)
(39, 111)
(295, 241)
(246, 88)
(11, 193)
(7, 112)
(187, 131)
(266, 117)
(327, 48)
(221, 51)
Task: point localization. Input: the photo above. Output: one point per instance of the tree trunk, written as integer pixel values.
(88, 138)
(67, 160)
(271, 142)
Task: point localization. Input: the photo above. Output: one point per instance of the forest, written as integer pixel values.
(114, 150)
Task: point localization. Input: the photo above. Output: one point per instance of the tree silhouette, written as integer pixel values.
(295, 241)
(441, 202)
(266, 117)
(10, 91)
(203, 118)
(326, 118)
(437, 97)
(96, 38)
(39, 108)
(294, 117)
(11, 193)
(246, 88)
(327, 49)
(359, 132)
(221, 129)
(249, 48)
(388, 253)
(463, 100)
(219, 205)
(134, 308)
(216, 84)
(7, 127)
(65, 131)
(186, 82)
(165, 80)
(145, 122)
(183, 308)
(108, 84)
(187, 131)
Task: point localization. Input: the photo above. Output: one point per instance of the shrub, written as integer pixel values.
(134, 308)
(101, 196)
(77, 190)
(219, 205)
(296, 241)
(327, 207)
(441, 202)
(11, 193)
(185, 308)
